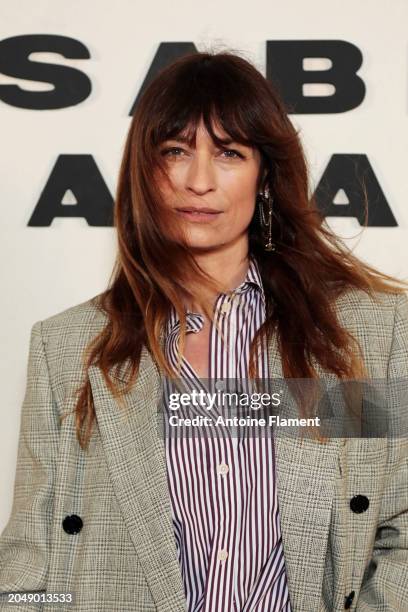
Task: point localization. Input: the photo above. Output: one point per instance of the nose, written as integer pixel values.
(200, 176)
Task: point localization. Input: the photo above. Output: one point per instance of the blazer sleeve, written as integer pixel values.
(24, 542)
(385, 586)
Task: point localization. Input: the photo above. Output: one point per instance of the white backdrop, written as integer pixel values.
(48, 269)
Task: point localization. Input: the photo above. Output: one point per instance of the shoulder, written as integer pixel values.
(74, 322)
(378, 321)
(372, 311)
(66, 335)
(377, 306)
(77, 314)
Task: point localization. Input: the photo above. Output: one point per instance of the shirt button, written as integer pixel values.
(222, 554)
(225, 307)
(223, 468)
(220, 385)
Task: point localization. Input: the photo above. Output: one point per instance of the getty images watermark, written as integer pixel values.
(253, 401)
(257, 407)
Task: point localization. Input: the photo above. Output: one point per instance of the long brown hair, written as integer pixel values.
(154, 268)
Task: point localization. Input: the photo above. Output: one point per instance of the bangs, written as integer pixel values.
(184, 126)
(221, 96)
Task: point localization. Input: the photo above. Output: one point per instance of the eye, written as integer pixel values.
(235, 152)
(170, 150)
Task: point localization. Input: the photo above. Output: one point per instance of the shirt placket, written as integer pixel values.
(227, 311)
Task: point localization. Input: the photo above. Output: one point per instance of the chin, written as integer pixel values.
(204, 241)
(203, 245)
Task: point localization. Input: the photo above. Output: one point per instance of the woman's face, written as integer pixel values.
(221, 180)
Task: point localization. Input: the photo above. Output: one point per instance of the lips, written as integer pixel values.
(210, 211)
(198, 215)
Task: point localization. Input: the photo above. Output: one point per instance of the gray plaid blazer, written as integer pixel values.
(124, 556)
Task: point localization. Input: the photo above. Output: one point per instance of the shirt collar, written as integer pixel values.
(195, 320)
(253, 277)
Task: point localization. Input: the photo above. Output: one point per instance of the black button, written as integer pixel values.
(359, 503)
(349, 600)
(72, 524)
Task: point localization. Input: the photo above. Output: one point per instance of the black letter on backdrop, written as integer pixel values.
(284, 68)
(352, 173)
(80, 174)
(167, 53)
(71, 85)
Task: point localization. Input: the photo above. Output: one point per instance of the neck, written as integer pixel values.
(228, 266)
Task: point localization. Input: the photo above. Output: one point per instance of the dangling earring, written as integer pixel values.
(265, 202)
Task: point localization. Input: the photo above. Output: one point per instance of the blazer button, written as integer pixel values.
(72, 524)
(349, 600)
(359, 503)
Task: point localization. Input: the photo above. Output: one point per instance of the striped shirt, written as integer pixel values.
(223, 490)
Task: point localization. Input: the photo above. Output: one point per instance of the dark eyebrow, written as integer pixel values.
(225, 141)
(179, 139)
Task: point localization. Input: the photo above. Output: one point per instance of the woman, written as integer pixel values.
(225, 270)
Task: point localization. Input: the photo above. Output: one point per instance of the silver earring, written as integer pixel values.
(265, 202)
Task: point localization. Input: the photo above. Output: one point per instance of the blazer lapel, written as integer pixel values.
(135, 456)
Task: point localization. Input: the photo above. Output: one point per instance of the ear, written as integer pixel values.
(261, 180)
(262, 172)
